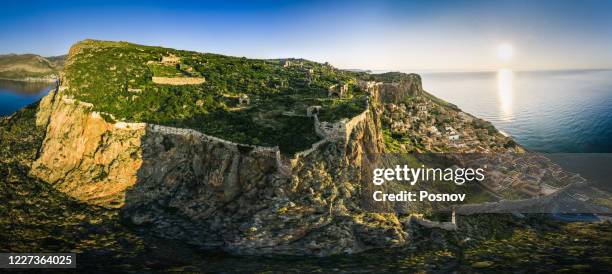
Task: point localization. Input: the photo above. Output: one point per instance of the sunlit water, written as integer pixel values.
(14, 94)
(546, 111)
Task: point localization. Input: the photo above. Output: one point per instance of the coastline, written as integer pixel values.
(32, 79)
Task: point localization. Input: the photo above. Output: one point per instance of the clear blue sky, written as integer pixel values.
(394, 35)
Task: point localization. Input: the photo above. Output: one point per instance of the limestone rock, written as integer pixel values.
(184, 185)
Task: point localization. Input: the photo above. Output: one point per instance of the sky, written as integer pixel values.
(376, 35)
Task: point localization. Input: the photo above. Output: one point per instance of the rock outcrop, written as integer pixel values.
(188, 186)
(398, 91)
(85, 156)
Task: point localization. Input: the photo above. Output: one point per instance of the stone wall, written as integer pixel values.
(178, 81)
(338, 131)
(184, 185)
(307, 152)
(80, 146)
(450, 226)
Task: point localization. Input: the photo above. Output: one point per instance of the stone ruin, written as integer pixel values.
(367, 85)
(170, 60)
(340, 130)
(178, 81)
(291, 63)
(244, 100)
(312, 110)
(173, 60)
(338, 90)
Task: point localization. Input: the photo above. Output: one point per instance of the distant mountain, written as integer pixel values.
(359, 70)
(30, 67)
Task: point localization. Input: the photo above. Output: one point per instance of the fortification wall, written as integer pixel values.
(82, 146)
(338, 131)
(178, 81)
(350, 124)
(97, 161)
(173, 130)
(270, 151)
(306, 152)
(450, 226)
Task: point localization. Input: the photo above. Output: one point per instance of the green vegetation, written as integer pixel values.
(19, 138)
(160, 70)
(334, 110)
(385, 77)
(116, 78)
(538, 242)
(399, 143)
(34, 217)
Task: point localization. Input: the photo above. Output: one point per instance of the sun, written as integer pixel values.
(505, 51)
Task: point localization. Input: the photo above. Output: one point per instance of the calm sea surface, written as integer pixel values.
(545, 111)
(15, 95)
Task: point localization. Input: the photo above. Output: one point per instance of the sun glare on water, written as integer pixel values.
(505, 51)
(505, 79)
(505, 91)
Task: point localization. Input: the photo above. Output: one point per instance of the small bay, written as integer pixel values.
(17, 94)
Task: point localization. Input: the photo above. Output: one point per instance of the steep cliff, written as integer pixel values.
(193, 187)
(186, 185)
(284, 173)
(394, 92)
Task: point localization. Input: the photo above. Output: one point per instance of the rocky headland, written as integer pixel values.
(174, 172)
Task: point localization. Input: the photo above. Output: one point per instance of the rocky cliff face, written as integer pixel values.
(395, 92)
(192, 187)
(84, 156)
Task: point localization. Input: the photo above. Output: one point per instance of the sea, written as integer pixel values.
(567, 111)
(17, 94)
